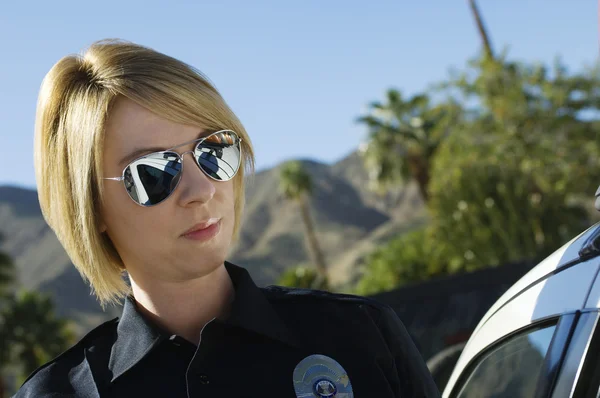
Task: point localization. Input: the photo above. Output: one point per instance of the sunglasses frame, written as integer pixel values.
(180, 157)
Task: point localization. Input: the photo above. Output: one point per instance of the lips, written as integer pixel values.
(201, 225)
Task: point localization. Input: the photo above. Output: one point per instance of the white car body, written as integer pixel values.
(561, 295)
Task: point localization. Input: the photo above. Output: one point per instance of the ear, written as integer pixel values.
(99, 219)
(101, 227)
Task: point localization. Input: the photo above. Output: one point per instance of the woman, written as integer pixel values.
(140, 169)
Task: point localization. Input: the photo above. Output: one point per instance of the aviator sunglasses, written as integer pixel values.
(152, 178)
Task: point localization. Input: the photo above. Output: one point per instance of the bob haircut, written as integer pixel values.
(74, 102)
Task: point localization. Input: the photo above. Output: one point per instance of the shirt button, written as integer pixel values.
(204, 379)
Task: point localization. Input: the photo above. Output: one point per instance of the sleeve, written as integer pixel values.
(40, 386)
(408, 374)
(68, 377)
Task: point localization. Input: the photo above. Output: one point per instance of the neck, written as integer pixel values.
(185, 307)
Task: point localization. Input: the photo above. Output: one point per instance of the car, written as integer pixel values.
(542, 337)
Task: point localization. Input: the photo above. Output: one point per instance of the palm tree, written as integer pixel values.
(485, 39)
(296, 185)
(35, 333)
(403, 138)
(31, 332)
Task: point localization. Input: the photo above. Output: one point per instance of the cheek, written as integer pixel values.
(229, 199)
(116, 198)
(228, 204)
(125, 219)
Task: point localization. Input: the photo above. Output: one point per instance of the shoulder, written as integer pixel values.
(57, 376)
(279, 295)
(341, 313)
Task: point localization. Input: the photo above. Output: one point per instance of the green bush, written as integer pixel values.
(411, 257)
(302, 276)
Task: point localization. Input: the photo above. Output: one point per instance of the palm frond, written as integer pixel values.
(294, 181)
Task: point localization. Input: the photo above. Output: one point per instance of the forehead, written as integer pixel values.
(131, 126)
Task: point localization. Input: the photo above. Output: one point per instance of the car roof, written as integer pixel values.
(561, 258)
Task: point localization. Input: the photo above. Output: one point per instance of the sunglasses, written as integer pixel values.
(152, 178)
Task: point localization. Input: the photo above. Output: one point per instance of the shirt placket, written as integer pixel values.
(202, 378)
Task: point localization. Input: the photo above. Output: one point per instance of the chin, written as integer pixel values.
(208, 267)
(207, 259)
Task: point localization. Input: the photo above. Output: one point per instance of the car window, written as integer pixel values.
(511, 369)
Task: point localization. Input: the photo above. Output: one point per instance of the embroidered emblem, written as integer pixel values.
(319, 376)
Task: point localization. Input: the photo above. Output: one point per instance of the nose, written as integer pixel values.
(194, 186)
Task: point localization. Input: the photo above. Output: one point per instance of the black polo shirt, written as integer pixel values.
(254, 353)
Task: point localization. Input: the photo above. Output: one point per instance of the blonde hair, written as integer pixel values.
(73, 106)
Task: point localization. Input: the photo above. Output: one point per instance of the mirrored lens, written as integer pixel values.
(219, 155)
(151, 179)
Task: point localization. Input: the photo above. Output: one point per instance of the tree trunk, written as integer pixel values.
(311, 239)
(487, 46)
(419, 171)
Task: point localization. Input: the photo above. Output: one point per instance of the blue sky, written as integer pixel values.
(296, 73)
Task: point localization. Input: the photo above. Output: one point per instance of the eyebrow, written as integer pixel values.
(143, 151)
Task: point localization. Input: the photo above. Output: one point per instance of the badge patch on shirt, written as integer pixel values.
(318, 376)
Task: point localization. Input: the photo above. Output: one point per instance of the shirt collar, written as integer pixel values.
(136, 336)
(250, 310)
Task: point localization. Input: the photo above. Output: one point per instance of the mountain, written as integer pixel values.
(350, 221)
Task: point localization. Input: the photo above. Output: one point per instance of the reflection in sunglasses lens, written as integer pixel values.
(151, 179)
